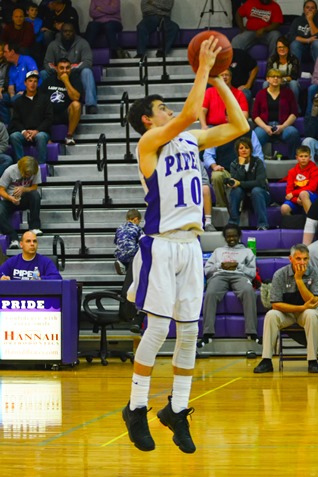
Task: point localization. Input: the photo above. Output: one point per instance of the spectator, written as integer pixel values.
(127, 244)
(250, 182)
(293, 298)
(65, 91)
(4, 81)
(106, 18)
(213, 109)
(288, 64)
(218, 161)
(23, 265)
(153, 13)
(244, 70)
(232, 267)
(303, 33)
(7, 9)
(33, 18)
(275, 110)
(302, 184)
(20, 66)
(18, 189)
(311, 128)
(263, 20)
(126, 240)
(312, 91)
(19, 32)
(77, 50)
(60, 12)
(311, 223)
(5, 159)
(31, 120)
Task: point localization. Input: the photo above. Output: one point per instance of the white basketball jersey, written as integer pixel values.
(174, 191)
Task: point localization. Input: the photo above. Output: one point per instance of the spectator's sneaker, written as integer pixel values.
(206, 339)
(120, 268)
(178, 424)
(70, 141)
(14, 245)
(91, 109)
(37, 232)
(209, 228)
(138, 429)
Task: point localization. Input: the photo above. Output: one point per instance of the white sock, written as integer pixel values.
(208, 219)
(139, 391)
(180, 392)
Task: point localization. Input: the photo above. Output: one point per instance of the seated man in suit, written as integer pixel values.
(29, 265)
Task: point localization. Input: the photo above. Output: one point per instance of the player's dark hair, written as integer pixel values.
(232, 227)
(139, 108)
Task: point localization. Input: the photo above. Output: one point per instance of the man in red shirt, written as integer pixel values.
(213, 108)
(19, 32)
(263, 18)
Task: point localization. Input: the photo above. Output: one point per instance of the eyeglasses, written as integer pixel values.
(274, 76)
(282, 47)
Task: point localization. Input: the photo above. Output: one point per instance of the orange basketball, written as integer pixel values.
(223, 59)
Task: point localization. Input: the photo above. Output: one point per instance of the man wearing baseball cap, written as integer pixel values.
(31, 120)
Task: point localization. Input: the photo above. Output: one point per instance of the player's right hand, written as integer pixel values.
(209, 51)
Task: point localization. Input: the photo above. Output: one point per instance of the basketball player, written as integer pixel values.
(167, 269)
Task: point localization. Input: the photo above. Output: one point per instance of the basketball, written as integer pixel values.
(223, 59)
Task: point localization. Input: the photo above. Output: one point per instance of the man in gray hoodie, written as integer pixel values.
(232, 267)
(73, 47)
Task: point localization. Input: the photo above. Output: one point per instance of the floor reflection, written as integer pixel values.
(29, 407)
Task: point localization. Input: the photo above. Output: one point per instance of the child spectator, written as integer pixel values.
(126, 240)
(302, 183)
(32, 12)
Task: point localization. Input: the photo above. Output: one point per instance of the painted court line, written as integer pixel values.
(191, 400)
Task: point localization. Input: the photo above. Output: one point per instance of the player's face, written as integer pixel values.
(232, 237)
(29, 243)
(63, 68)
(161, 114)
(299, 259)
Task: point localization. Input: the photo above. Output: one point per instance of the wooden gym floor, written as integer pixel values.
(68, 423)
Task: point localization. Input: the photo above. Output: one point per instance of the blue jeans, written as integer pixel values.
(29, 200)
(313, 146)
(289, 136)
(111, 30)
(148, 25)
(5, 161)
(17, 141)
(247, 39)
(299, 49)
(260, 199)
(312, 90)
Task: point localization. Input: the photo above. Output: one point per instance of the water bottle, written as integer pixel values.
(251, 243)
(36, 274)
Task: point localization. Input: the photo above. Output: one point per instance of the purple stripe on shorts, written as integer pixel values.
(145, 245)
(152, 214)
